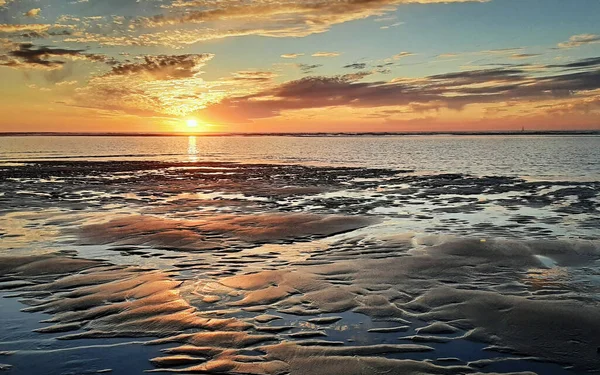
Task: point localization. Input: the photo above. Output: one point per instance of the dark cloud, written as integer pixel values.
(308, 68)
(566, 83)
(29, 56)
(40, 56)
(585, 63)
(480, 76)
(358, 66)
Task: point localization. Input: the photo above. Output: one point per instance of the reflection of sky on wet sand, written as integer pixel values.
(552, 278)
(292, 273)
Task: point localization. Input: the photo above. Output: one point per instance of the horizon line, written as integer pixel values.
(305, 134)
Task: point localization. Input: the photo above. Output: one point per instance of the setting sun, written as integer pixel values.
(191, 123)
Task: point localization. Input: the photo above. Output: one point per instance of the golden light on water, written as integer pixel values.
(192, 149)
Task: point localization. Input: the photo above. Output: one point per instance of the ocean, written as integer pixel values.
(428, 254)
(534, 156)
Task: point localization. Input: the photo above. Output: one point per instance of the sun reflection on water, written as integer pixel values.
(192, 149)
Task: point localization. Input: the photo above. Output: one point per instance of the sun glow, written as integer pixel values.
(192, 123)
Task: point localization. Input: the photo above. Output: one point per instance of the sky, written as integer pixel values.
(299, 66)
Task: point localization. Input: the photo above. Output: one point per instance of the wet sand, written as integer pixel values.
(225, 268)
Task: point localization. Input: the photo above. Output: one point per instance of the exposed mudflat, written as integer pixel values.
(225, 268)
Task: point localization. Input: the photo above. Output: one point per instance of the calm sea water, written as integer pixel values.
(538, 157)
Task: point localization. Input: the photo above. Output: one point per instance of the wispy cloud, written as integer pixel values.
(522, 56)
(590, 62)
(276, 18)
(447, 55)
(326, 54)
(12, 28)
(402, 55)
(396, 24)
(291, 55)
(580, 40)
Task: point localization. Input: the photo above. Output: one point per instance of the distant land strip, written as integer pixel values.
(325, 134)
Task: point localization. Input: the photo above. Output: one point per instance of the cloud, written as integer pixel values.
(521, 56)
(512, 52)
(177, 23)
(326, 54)
(580, 40)
(165, 67)
(156, 85)
(501, 51)
(275, 18)
(13, 28)
(453, 90)
(308, 68)
(359, 66)
(385, 19)
(291, 55)
(583, 63)
(392, 25)
(480, 76)
(33, 13)
(170, 38)
(66, 83)
(253, 75)
(402, 55)
(447, 55)
(185, 22)
(26, 55)
(165, 85)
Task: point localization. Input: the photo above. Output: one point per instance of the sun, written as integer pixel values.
(191, 123)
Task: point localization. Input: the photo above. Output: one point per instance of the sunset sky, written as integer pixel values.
(299, 66)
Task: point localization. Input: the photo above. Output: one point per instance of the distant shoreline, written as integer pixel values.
(325, 134)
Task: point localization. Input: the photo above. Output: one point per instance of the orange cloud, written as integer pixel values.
(12, 28)
(326, 54)
(275, 18)
(291, 55)
(33, 13)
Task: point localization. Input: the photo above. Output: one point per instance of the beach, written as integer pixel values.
(277, 255)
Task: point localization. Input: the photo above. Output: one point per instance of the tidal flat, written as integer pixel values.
(230, 268)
